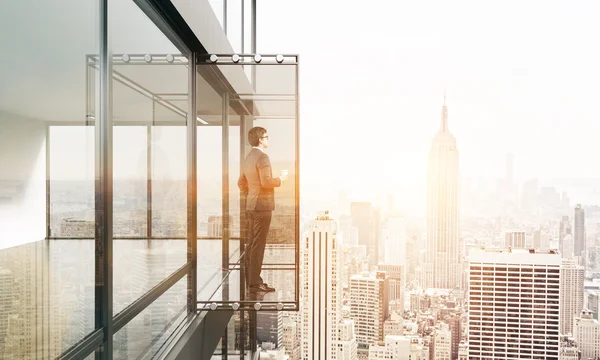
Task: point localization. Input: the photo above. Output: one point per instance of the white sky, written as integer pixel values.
(521, 77)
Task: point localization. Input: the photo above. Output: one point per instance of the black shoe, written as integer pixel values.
(262, 287)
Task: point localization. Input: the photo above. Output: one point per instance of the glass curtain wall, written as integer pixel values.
(46, 287)
(94, 184)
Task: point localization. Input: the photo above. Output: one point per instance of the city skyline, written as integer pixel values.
(506, 87)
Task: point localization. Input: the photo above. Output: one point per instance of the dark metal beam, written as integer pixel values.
(85, 347)
(173, 25)
(201, 337)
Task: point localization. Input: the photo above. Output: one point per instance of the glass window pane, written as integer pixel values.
(150, 104)
(46, 175)
(148, 331)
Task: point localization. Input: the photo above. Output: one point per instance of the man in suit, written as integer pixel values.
(258, 185)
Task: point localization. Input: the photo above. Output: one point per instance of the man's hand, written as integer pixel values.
(284, 176)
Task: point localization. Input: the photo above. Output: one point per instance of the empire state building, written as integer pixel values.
(442, 268)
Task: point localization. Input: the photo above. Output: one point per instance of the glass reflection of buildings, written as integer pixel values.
(49, 195)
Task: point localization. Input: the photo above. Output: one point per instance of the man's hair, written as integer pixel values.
(255, 134)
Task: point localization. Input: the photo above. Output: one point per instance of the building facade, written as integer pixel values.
(571, 294)
(586, 334)
(515, 239)
(369, 307)
(347, 346)
(514, 304)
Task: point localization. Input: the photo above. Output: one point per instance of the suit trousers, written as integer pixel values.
(258, 228)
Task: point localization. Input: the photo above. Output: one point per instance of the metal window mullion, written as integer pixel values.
(192, 191)
(48, 230)
(297, 186)
(253, 42)
(103, 195)
(243, 220)
(225, 210)
(225, 16)
(149, 173)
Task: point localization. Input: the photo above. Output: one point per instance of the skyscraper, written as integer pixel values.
(395, 241)
(579, 234)
(363, 218)
(321, 290)
(442, 268)
(396, 281)
(291, 338)
(571, 294)
(269, 327)
(514, 304)
(369, 307)
(515, 239)
(563, 230)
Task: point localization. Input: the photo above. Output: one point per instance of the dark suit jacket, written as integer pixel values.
(257, 182)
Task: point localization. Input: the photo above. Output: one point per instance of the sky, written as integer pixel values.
(520, 77)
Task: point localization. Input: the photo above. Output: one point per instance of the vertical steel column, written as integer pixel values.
(225, 211)
(253, 42)
(243, 27)
(104, 193)
(48, 230)
(192, 198)
(225, 16)
(297, 186)
(243, 219)
(149, 176)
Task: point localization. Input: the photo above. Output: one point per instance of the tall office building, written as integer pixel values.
(441, 343)
(363, 218)
(442, 268)
(394, 241)
(571, 294)
(269, 327)
(347, 346)
(321, 290)
(369, 307)
(396, 282)
(579, 234)
(514, 301)
(586, 333)
(456, 328)
(291, 338)
(563, 230)
(6, 303)
(515, 239)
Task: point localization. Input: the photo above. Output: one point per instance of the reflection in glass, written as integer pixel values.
(46, 176)
(147, 332)
(150, 104)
